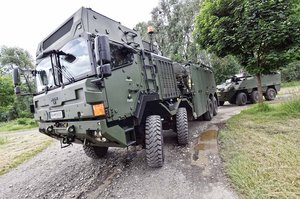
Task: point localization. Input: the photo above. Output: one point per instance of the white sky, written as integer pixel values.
(24, 23)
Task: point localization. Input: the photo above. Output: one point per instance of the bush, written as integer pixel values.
(291, 72)
(22, 121)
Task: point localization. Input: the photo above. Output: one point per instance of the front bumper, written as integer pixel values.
(95, 132)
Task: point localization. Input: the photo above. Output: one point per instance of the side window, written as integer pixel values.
(120, 56)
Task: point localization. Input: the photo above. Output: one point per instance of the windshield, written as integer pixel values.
(66, 68)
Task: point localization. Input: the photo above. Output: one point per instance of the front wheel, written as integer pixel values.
(182, 126)
(154, 141)
(241, 99)
(95, 152)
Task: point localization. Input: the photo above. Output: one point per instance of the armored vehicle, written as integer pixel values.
(242, 88)
(99, 84)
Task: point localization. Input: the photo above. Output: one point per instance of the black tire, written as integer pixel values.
(95, 152)
(215, 103)
(254, 97)
(208, 115)
(241, 99)
(182, 126)
(221, 103)
(154, 141)
(270, 94)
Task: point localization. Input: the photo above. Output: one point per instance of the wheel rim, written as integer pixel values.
(244, 99)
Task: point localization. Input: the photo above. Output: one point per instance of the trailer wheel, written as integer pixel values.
(208, 115)
(241, 99)
(270, 94)
(95, 152)
(182, 126)
(215, 102)
(154, 141)
(254, 97)
(221, 103)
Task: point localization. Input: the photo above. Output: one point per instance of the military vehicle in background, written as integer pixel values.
(242, 88)
(99, 84)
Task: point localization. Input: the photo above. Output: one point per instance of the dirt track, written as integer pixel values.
(189, 172)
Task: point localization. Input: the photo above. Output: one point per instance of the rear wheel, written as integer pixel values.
(95, 152)
(208, 115)
(182, 126)
(154, 141)
(241, 99)
(254, 97)
(270, 94)
(215, 102)
(221, 103)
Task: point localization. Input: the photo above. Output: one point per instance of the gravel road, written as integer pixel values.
(194, 171)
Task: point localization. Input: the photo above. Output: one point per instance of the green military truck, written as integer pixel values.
(242, 88)
(100, 85)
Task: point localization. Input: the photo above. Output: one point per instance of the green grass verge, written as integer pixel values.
(19, 124)
(261, 153)
(290, 84)
(3, 140)
(25, 157)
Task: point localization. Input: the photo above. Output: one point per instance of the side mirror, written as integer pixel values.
(104, 70)
(16, 76)
(102, 49)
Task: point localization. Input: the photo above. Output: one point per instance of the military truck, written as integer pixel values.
(241, 89)
(99, 84)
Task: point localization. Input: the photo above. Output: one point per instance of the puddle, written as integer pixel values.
(205, 151)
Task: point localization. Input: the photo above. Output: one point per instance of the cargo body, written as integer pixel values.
(242, 89)
(100, 85)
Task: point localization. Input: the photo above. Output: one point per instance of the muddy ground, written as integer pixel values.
(194, 171)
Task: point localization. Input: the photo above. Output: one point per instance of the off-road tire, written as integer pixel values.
(215, 103)
(154, 141)
(270, 94)
(241, 99)
(208, 115)
(95, 152)
(221, 103)
(254, 97)
(182, 126)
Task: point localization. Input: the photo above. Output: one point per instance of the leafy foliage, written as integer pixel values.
(291, 72)
(12, 107)
(174, 23)
(263, 35)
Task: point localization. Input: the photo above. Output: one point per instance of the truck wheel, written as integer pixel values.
(154, 141)
(95, 152)
(221, 103)
(254, 97)
(270, 94)
(182, 126)
(215, 103)
(208, 115)
(241, 99)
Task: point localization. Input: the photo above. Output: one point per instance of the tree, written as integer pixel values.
(11, 57)
(263, 35)
(7, 97)
(174, 23)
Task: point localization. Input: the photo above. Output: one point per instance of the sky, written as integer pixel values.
(25, 23)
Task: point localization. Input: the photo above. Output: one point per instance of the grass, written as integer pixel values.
(19, 124)
(17, 148)
(3, 140)
(261, 153)
(290, 84)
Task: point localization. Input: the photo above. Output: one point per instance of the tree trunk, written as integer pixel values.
(259, 88)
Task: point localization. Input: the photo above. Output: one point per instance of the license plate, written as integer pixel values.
(56, 115)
